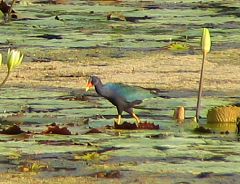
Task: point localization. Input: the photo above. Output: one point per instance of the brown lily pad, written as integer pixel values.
(93, 131)
(130, 126)
(55, 129)
(108, 174)
(75, 98)
(158, 136)
(148, 125)
(125, 125)
(13, 130)
(202, 129)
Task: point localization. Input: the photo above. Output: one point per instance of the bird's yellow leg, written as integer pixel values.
(119, 120)
(136, 118)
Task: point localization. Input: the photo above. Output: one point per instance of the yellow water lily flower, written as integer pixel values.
(206, 40)
(14, 59)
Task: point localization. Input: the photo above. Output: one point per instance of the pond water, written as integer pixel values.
(175, 151)
(144, 25)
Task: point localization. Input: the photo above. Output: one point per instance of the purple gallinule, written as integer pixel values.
(124, 97)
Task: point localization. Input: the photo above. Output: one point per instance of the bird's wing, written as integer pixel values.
(129, 93)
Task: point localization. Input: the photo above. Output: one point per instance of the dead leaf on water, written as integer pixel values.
(93, 131)
(55, 129)
(108, 174)
(12, 130)
(130, 126)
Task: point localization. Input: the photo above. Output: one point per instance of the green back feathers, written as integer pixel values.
(129, 93)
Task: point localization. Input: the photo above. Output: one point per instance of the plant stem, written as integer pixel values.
(200, 87)
(6, 78)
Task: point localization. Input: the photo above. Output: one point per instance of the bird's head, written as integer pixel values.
(92, 81)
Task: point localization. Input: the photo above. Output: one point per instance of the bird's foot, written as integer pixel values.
(137, 123)
(118, 122)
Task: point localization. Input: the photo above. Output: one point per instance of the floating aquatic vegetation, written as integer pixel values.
(116, 17)
(120, 17)
(159, 136)
(75, 98)
(132, 126)
(93, 131)
(49, 36)
(148, 125)
(223, 118)
(12, 130)
(202, 129)
(16, 155)
(223, 114)
(223, 127)
(125, 125)
(55, 129)
(107, 174)
(33, 166)
(94, 156)
(178, 47)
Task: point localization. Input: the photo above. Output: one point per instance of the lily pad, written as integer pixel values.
(55, 129)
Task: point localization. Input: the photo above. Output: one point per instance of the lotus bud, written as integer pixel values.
(14, 59)
(0, 59)
(179, 114)
(206, 41)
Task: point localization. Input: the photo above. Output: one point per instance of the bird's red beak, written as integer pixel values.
(89, 85)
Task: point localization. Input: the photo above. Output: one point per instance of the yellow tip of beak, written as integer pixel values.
(89, 85)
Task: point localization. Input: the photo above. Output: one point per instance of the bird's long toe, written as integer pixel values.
(136, 118)
(119, 120)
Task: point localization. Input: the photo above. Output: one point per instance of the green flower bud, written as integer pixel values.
(206, 41)
(0, 59)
